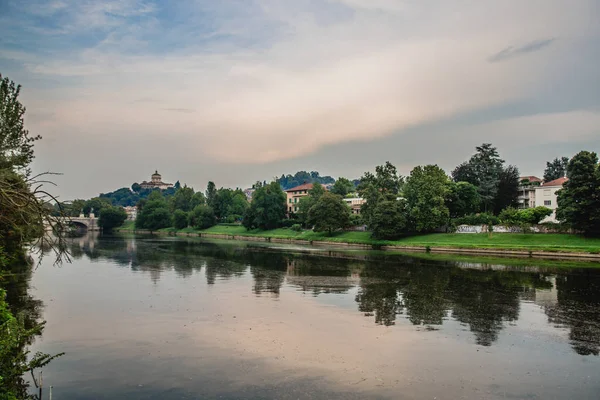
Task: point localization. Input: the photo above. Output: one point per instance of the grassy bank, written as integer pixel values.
(496, 241)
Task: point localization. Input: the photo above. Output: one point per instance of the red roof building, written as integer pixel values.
(556, 182)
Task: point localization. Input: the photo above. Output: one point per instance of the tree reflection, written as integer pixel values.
(484, 298)
(578, 309)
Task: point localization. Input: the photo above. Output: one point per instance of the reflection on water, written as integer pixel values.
(432, 312)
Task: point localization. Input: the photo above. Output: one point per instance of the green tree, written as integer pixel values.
(97, 204)
(342, 187)
(203, 217)
(16, 146)
(579, 199)
(238, 206)
(389, 219)
(197, 200)
(384, 185)
(211, 193)
(182, 200)
(425, 191)
(136, 187)
(386, 180)
(462, 199)
(111, 217)
(307, 202)
(329, 213)
(154, 215)
(508, 189)
(180, 219)
(267, 208)
(482, 170)
(556, 168)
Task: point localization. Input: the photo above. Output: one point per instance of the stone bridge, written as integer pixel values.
(89, 223)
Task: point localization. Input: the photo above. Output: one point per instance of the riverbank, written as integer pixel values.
(563, 246)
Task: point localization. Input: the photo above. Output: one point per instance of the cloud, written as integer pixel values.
(511, 52)
(264, 81)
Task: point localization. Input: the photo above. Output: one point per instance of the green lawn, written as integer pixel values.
(504, 241)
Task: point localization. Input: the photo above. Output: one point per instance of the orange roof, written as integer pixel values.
(556, 182)
(530, 178)
(306, 186)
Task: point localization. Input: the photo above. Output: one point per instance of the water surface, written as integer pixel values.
(175, 318)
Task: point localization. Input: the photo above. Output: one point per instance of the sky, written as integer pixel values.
(236, 91)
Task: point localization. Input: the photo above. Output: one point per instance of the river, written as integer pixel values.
(182, 318)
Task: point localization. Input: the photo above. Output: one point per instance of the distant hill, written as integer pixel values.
(129, 197)
(301, 177)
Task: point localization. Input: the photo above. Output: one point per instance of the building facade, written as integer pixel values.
(545, 196)
(156, 183)
(527, 191)
(355, 203)
(294, 195)
(131, 212)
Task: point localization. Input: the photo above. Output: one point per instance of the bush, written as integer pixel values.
(287, 223)
(180, 219)
(296, 228)
(203, 217)
(477, 219)
(356, 220)
(529, 216)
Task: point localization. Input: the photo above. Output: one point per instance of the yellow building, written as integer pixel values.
(295, 194)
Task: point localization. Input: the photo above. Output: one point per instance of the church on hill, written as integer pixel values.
(156, 183)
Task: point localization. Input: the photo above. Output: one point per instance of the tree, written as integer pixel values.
(425, 191)
(238, 206)
(197, 199)
(556, 168)
(579, 199)
(97, 204)
(203, 217)
(342, 187)
(307, 202)
(267, 209)
(389, 219)
(177, 185)
(386, 179)
(136, 187)
(180, 219)
(211, 193)
(482, 170)
(508, 189)
(154, 215)
(182, 200)
(329, 213)
(462, 199)
(111, 217)
(16, 146)
(384, 185)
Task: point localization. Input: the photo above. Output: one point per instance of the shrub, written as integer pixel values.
(296, 228)
(203, 217)
(180, 219)
(531, 216)
(477, 219)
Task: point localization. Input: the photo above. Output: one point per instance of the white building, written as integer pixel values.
(156, 183)
(131, 212)
(545, 196)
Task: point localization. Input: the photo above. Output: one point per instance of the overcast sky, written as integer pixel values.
(239, 90)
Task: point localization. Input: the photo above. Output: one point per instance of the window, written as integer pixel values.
(547, 202)
(295, 199)
(290, 200)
